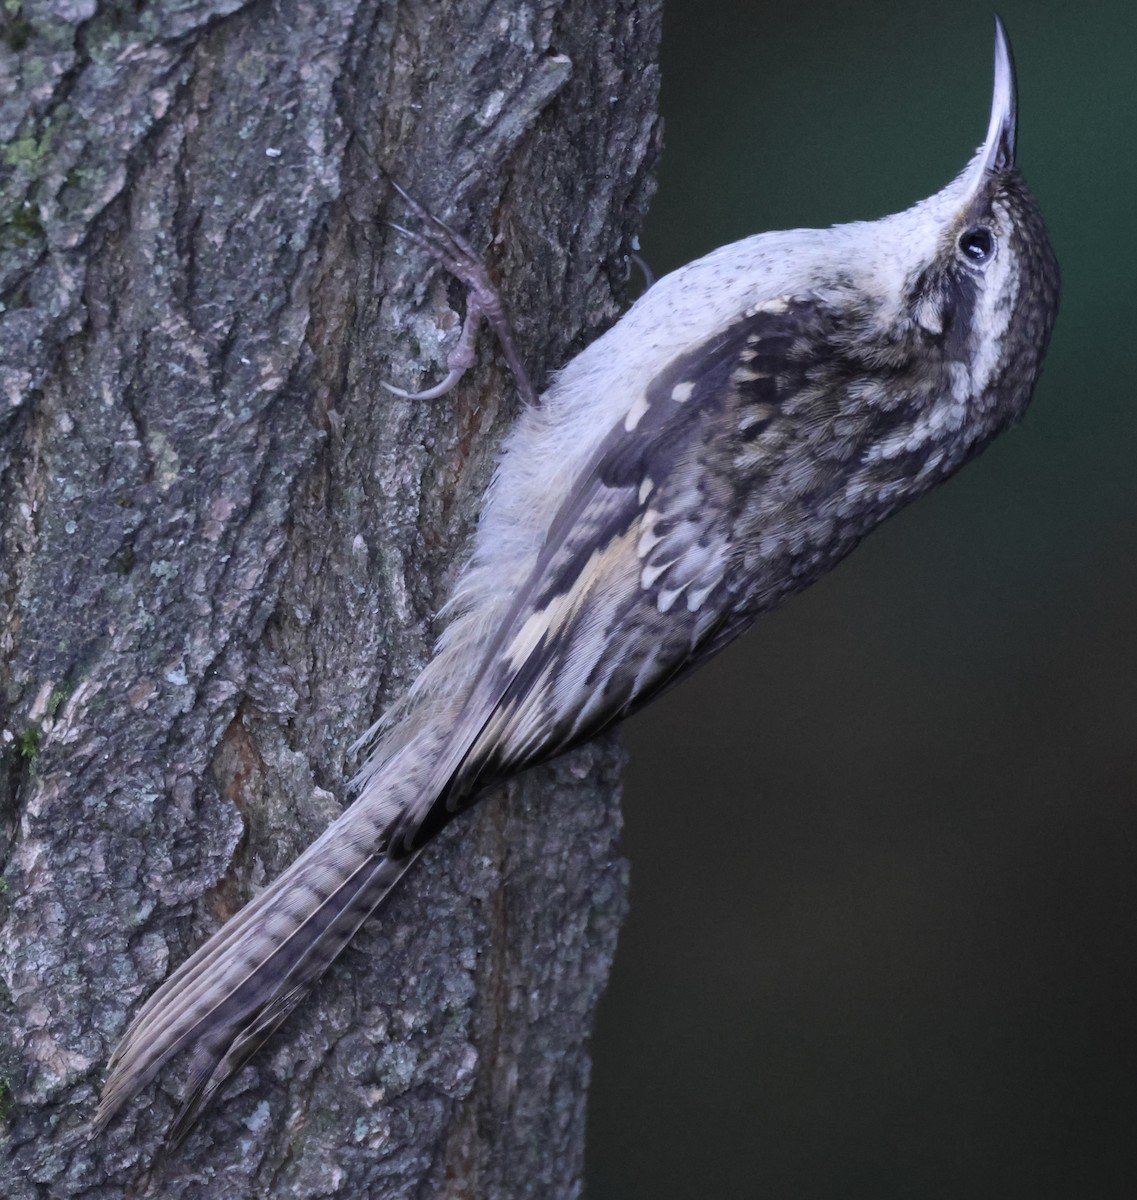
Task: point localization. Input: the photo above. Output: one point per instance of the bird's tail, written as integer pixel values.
(231, 995)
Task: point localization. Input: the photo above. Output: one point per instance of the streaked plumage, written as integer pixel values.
(735, 434)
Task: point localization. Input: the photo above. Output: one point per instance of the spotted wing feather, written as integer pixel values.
(637, 574)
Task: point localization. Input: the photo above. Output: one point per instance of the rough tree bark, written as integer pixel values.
(224, 545)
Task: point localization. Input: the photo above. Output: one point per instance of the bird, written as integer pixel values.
(725, 443)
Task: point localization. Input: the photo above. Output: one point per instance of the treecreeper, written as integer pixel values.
(732, 437)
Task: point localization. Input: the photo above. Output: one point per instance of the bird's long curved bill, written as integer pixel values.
(998, 152)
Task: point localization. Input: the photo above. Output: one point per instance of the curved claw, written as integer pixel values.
(646, 271)
(439, 389)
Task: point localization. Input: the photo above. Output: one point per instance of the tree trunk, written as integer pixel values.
(224, 544)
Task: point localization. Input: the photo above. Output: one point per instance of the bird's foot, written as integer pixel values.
(483, 301)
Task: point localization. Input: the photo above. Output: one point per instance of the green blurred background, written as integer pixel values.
(884, 851)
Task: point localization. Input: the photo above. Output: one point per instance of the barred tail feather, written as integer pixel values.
(238, 987)
(250, 1014)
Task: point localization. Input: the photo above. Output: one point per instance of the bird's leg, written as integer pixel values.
(483, 301)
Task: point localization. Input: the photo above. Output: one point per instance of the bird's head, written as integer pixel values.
(973, 273)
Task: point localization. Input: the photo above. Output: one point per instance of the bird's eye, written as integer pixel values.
(977, 244)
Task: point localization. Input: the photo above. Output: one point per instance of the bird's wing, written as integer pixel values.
(637, 572)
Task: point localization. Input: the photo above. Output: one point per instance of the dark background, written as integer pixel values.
(883, 851)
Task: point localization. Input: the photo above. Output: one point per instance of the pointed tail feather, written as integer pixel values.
(269, 918)
(218, 1057)
(231, 995)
